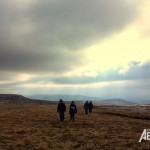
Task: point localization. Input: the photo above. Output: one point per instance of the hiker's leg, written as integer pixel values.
(60, 116)
(70, 116)
(73, 116)
(63, 117)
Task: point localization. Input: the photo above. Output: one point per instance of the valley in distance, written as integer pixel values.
(33, 123)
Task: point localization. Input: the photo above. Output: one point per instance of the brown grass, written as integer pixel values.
(37, 127)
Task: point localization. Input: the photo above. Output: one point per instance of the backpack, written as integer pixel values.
(72, 109)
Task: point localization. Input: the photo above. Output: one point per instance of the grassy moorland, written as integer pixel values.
(37, 127)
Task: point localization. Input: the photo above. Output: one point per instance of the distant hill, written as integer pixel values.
(41, 98)
(15, 98)
(96, 100)
(143, 101)
(57, 97)
(114, 102)
(12, 97)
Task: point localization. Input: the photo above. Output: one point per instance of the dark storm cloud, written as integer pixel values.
(29, 62)
(7, 76)
(44, 35)
(76, 23)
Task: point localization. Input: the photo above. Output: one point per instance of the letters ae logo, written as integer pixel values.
(145, 135)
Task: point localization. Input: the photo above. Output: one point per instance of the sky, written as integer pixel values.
(96, 48)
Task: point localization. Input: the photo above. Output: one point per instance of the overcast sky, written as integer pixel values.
(97, 48)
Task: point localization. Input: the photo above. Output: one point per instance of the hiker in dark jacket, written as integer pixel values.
(86, 107)
(61, 108)
(90, 107)
(72, 110)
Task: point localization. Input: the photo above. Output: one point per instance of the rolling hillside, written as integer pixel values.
(15, 98)
(96, 100)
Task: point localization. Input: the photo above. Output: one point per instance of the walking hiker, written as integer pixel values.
(72, 110)
(90, 107)
(61, 108)
(86, 107)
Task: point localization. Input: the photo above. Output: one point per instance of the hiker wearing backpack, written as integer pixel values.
(86, 107)
(72, 110)
(90, 107)
(61, 108)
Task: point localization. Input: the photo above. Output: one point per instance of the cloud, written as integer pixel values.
(76, 23)
(137, 75)
(138, 71)
(47, 36)
(142, 21)
(32, 62)
(134, 73)
(132, 85)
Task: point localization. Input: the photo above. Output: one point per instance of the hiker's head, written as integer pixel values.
(61, 101)
(72, 102)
